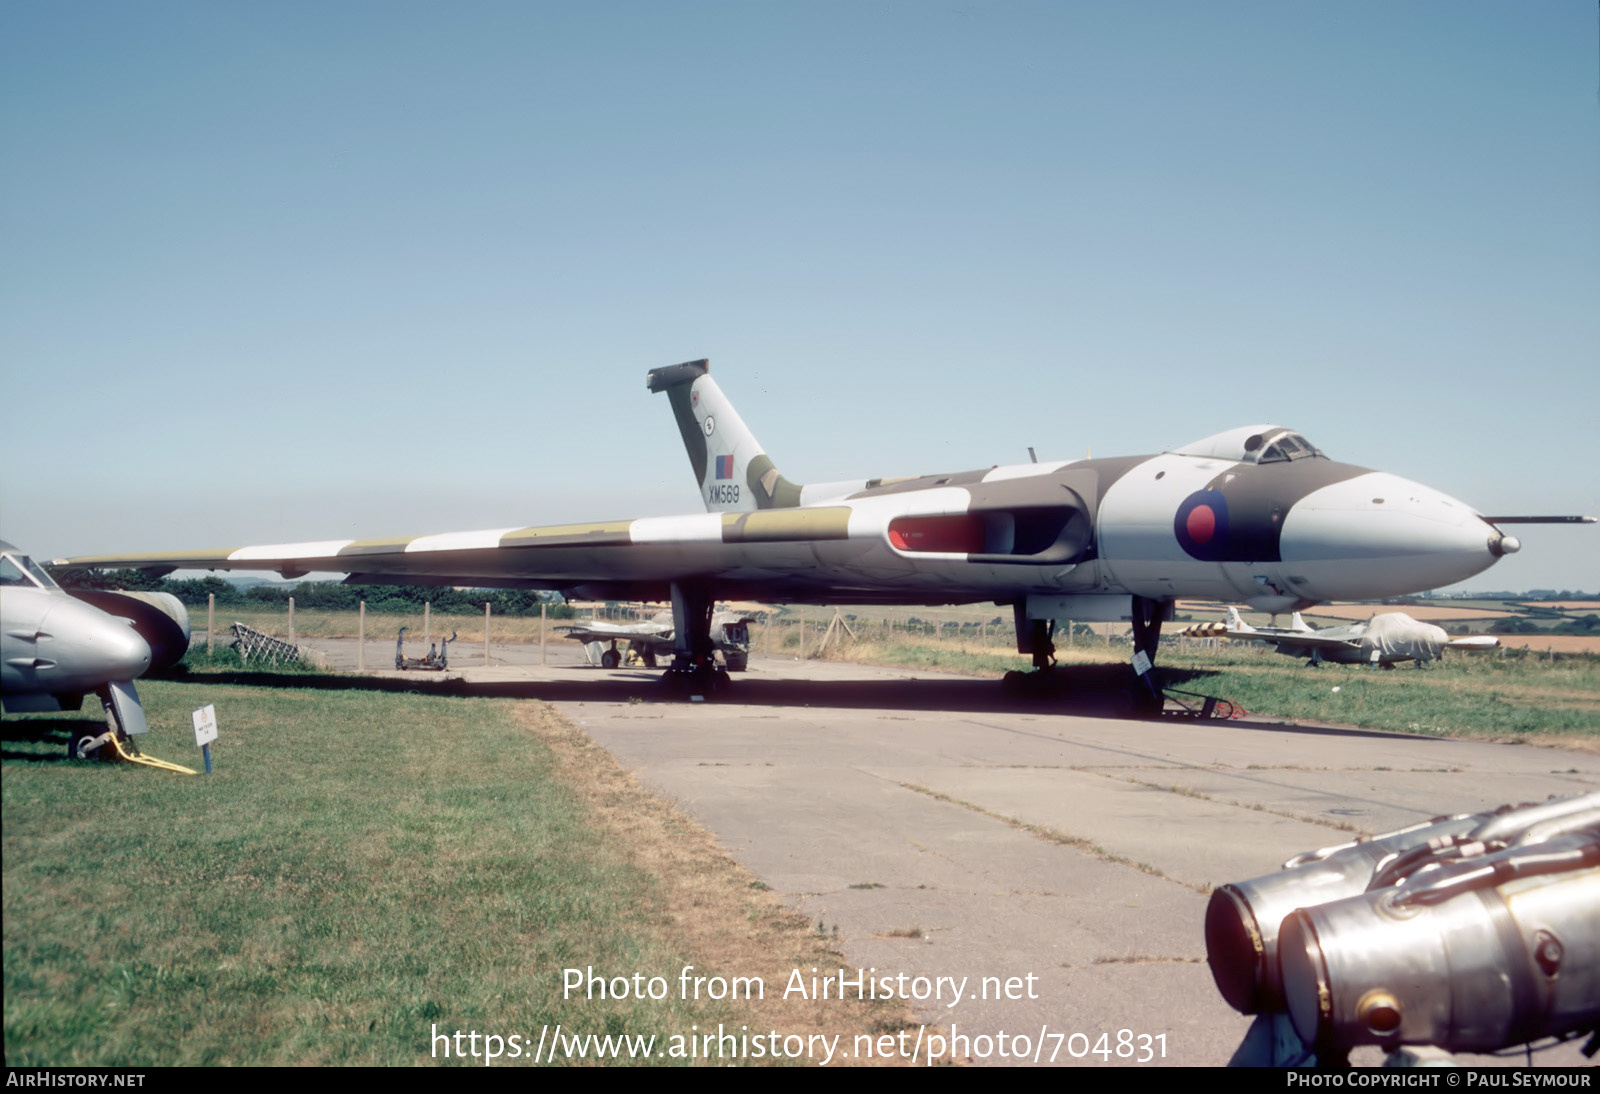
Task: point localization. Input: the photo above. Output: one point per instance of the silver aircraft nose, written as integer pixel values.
(86, 644)
(1380, 535)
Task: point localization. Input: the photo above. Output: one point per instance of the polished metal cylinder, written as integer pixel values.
(1243, 920)
(1457, 958)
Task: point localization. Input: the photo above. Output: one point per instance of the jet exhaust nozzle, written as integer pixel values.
(1244, 920)
(1491, 951)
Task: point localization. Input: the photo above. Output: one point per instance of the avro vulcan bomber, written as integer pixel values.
(1256, 515)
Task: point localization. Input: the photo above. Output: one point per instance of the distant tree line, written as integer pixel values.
(1588, 624)
(327, 596)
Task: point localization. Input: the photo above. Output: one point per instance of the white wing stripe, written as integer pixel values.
(460, 541)
(324, 549)
(693, 528)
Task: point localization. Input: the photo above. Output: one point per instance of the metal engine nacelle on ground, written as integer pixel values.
(1471, 933)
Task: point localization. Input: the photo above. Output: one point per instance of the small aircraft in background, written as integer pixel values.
(57, 646)
(1381, 640)
(730, 634)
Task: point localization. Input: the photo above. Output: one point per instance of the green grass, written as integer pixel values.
(224, 658)
(362, 867)
(1503, 698)
(1500, 697)
(1508, 695)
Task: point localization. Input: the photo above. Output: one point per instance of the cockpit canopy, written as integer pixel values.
(1254, 444)
(17, 568)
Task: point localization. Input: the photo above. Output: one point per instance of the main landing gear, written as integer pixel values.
(694, 671)
(1041, 642)
(1144, 698)
(1140, 698)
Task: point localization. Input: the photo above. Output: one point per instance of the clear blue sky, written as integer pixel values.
(312, 270)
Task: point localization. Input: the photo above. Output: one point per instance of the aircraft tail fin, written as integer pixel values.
(1298, 624)
(1236, 621)
(736, 475)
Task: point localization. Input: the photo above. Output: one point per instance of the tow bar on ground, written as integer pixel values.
(1191, 704)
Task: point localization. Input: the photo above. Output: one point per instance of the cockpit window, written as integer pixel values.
(1288, 446)
(45, 580)
(21, 570)
(1253, 444)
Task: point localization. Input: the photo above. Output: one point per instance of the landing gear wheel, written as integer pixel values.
(90, 746)
(610, 659)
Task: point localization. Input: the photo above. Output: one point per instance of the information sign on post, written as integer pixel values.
(205, 731)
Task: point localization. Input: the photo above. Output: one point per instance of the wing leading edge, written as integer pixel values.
(650, 552)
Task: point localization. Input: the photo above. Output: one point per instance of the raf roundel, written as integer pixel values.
(1201, 525)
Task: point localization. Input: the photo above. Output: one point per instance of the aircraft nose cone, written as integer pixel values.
(86, 644)
(1381, 535)
(129, 654)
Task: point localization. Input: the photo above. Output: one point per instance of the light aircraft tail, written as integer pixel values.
(1298, 624)
(1236, 622)
(735, 474)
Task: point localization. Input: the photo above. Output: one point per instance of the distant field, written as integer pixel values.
(312, 625)
(1560, 643)
(1352, 612)
(1567, 605)
(1429, 614)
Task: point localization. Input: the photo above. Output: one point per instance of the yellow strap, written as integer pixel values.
(150, 761)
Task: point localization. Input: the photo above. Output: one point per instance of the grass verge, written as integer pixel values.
(1511, 698)
(364, 870)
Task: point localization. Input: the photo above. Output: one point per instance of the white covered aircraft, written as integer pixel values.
(1382, 640)
(653, 639)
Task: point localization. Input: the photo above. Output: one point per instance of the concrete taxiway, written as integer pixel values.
(947, 831)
